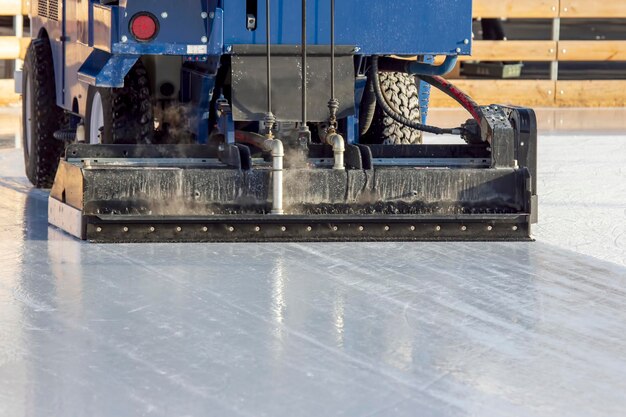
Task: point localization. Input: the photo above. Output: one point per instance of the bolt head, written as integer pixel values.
(335, 228)
(490, 228)
(284, 229)
(464, 228)
(204, 39)
(164, 15)
(231, 229)
(309, 228)
(412, 228)
(204, 15)
(124, 38)
(361, 228)
(125, 229)
(98, 229)
(205, 229)
(152, 229)
(438, 228)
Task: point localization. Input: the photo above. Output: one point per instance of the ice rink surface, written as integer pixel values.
(419, 329)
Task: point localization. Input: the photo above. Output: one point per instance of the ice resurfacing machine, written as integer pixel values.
(274, 120)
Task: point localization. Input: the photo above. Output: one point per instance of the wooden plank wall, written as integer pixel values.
(549, 93)
(546, 93)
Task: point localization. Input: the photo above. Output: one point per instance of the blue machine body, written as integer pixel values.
(92, 44)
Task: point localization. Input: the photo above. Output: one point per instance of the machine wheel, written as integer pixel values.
(121, 115)
(403, 97)
(40, 115)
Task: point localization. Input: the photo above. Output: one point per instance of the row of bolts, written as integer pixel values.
(333, 138)
(231, 229)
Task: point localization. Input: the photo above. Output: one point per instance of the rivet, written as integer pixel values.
(179, 229)
(490, 228)
(203, 15)
(386, 228)
(231, 229)
(257, 229)
(205, 229)
(164, 15)
(98, 229)
(125, 229)
(412, 228)
(361, 228)
(309, 228)
(514, 228)
(284, 229)
(464, 228)
(335, 228)
(438, 228)
(152, 229)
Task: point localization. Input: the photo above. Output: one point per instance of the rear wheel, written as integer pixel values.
(121, 115)
(403, 97)
(41, 116)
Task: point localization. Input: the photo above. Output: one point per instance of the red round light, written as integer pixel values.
(143, 27)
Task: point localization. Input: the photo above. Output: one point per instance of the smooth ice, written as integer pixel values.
(419, 329)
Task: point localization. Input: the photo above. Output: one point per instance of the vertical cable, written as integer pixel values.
(333, 104)
(304, 64)
(268, 40)
(269, 118)
(332, 48)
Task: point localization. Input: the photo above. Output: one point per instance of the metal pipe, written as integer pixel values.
(339, 148)
(275, 146)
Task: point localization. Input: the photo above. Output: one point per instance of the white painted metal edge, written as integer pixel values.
(66, 218)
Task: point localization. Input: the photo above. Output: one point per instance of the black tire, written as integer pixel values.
(41, 150)
(128, 113)
(403, 97)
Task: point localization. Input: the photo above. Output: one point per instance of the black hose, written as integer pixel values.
(384, 104)
(65, 135)
(368, 107)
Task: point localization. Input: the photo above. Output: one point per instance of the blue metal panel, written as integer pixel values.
(375, 27)
(181, 23)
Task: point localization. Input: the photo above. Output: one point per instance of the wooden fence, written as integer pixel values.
(552, 92)
(12, 47)
(538, 93)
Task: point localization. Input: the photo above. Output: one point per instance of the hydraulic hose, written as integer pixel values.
(384, 104)
(368, 107)
(455, 93)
